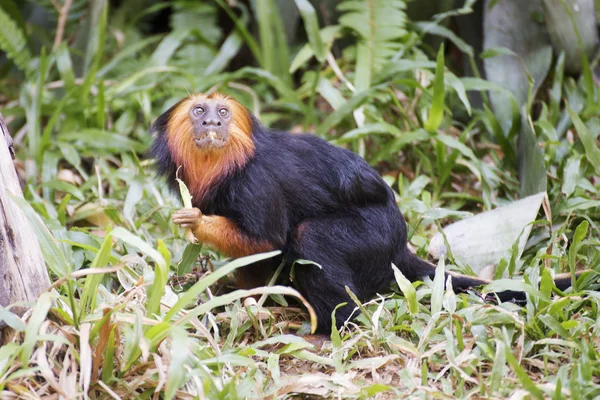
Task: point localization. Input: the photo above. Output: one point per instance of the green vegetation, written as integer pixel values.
(83, 80)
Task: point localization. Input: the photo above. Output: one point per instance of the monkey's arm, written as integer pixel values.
(220, 232)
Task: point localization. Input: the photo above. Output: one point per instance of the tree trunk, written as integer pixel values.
(23, 274)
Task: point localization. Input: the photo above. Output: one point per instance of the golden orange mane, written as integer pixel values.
(200, 167)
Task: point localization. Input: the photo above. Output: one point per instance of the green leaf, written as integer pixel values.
(102, 140)
(532, 167)
(407, 289)
(455, 83)
(65, 66)
(368, 130)
(53, 255)
(311, 24)
(571, 174)
(526, 381)
(156, 290)
(498, 369)
(553, 324)
(13, 42)
(38, 316)
(592, 153)
(273, 40)
(189, 257)
(580, 233)
(8, 353)
(167, 47)
(13, 321)
(179, 354)
(89, 292)
(192, 294)
(328, 34)
(227, 51)
(434, 28)
(380, 24)
(240, 25)
(437, 295)
(338, 115)
(437, 106)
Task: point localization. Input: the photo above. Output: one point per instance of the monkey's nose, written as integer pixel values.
(211, 122)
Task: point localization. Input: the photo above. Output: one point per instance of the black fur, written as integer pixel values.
(317, 202)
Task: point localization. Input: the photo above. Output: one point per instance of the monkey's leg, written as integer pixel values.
(257, 274)
(354, 249)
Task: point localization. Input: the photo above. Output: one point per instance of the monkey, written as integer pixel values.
(255, 190)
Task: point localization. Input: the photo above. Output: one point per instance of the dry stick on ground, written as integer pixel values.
(63, 12)
(23, 274)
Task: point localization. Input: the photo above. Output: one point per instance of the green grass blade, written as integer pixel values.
(179, 354)
(38, 316)
(407, 289)
(192, 294)
(437, 295)
(436, 113)
(311, 24)
(592, 152)
(53, 255)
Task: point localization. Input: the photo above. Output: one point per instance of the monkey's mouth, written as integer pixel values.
(210, 139)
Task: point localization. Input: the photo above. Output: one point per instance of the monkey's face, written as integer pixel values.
(210, 120)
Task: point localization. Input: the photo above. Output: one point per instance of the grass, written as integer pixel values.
(136, 311)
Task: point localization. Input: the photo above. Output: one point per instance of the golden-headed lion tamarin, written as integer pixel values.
(256, 190)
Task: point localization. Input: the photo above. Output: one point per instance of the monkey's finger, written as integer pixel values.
(182, 219)
(192, 213)
(185, 222)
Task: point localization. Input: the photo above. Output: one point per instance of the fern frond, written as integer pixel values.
(380, 24)
(13, 42)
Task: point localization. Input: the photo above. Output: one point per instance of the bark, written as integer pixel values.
(23, 273)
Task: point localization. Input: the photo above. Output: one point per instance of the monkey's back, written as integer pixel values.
(295, 177)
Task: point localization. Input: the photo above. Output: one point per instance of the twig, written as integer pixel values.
(62, 21)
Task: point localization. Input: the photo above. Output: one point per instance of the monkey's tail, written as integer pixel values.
(418, 269)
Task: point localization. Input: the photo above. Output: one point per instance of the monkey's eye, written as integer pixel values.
(198, 110)
(223, 112)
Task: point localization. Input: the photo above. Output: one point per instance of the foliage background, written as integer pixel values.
(456, 116)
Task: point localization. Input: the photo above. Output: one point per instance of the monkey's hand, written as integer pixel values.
(191, 219)
(187, 218)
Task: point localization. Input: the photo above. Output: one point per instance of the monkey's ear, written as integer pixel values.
(159, 126)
